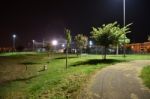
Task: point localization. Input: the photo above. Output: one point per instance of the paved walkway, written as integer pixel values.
(120, 81)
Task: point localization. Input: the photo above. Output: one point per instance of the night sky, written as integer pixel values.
(39, 19)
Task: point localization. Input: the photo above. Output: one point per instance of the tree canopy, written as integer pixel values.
(68, 37)
(81, 41)
(109, 34)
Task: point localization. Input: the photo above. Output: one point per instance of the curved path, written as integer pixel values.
(120, 81)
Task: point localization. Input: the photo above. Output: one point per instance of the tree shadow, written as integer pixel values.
(19, 79)
(65, 57)
(97, 61)
(24, 79)
(29, 63)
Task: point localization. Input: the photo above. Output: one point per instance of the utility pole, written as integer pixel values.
(124, 23)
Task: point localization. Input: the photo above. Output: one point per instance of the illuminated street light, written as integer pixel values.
(63, 45)
(90, 43)
(54, 42)
(14, 37)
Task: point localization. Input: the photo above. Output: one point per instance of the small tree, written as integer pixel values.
(108, 35)
(104, 36)
(68, 39)
(81, 42)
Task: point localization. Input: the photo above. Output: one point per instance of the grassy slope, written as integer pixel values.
(145, 75)
(56, 82)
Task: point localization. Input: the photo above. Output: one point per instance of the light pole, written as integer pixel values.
(124, 23)
(33, 41)
(54, 43)
(14, 37)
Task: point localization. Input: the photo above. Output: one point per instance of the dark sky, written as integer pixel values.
(39, 19)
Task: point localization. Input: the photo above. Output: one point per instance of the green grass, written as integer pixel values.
(23, 76)
(145, 75)
(17, 53)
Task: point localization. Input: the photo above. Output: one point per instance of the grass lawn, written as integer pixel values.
(145, 75)
(22, 74)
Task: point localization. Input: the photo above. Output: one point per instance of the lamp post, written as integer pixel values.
(54, 43)
(14, 38)
(124, 23)
(33, 41)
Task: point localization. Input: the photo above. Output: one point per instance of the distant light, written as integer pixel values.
(132, 47)
(54, 42)
(14, 36)
(90, 43)
(63, 45)
(33, 41)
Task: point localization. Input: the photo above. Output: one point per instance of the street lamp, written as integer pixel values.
(63, 45)
(124, 12)
(90, 43)
(33, 41)
(124, 23)
(14, 37)
(54, 43)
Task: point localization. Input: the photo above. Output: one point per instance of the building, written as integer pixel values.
(140, 47)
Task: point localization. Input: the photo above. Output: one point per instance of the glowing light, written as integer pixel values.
(14, 36)
(33, 41)
(90, 43)
(63, 45)
(54, 42)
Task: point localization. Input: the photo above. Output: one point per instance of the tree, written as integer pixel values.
(108, 35)
(123, 39)
(68, 39)
(121, 42)
(81, 42)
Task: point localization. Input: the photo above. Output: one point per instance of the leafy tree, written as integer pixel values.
(104, 36)
(122, 38)
(81, 42)
(109, 34)
(68, 39)
(121, 42)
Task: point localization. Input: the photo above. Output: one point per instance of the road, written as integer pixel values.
(119, 81)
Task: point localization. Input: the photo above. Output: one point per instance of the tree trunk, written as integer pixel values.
(104, 52)
(105, 48)
(80, 52)
(117, 49)
(66, 57)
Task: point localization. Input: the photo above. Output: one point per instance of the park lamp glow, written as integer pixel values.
(90, 43)
(54, 42)
(63, 45)
(33, 41)
(14, 36)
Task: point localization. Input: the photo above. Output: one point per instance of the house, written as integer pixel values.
(140, 47)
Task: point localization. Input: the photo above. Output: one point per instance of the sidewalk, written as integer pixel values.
(119, 81)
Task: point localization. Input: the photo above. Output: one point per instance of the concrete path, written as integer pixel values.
(120, 81)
